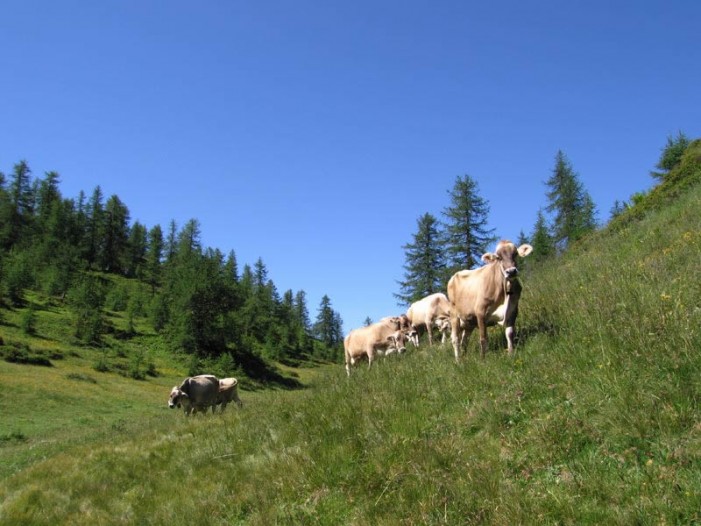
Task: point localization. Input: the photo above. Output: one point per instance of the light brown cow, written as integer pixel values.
(195, 394)
(426, 312)
(228, 391)
(383, 336)
(403, 323)
(486, 296)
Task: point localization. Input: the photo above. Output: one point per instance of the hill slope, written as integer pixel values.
(596, 421)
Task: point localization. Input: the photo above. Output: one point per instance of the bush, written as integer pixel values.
(23, 354)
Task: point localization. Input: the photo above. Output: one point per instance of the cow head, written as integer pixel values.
(398, 341)
(413, 336)
(177, 398)
(506, 256)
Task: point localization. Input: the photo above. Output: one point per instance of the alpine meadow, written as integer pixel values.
(595, 420)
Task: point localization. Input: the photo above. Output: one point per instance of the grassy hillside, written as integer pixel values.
(596, 421)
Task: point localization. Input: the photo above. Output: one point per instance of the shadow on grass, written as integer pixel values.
(262, 375)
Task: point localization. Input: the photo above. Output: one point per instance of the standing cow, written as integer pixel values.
(228, 392)
(486, 296)
(383, 336)
(429, 311)
(195, 394)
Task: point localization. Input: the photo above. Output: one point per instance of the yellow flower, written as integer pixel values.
(665, 297)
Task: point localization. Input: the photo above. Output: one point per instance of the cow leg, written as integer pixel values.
(482, 326)
(455, 335)
(510, 340)
(429, 329)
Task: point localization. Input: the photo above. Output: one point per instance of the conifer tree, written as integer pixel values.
(425, 266)
(21, 201)
(328, 328)
(94, 228)
(541, 240)
(5, 216)
(568, 201)
(671, 154)
(467, 234)
(154, 256)
(136, 251)
(115, 236)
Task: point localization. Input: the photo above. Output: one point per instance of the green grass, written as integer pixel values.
(595, 421)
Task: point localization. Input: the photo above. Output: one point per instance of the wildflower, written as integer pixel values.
(665, 297)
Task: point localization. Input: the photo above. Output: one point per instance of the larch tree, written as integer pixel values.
(425, 262)
(570, 204)
(466, 231)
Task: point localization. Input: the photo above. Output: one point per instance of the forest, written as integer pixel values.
(206, 307)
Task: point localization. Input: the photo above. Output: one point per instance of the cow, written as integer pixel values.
(383, 336)
(403, 323)
(427, 311)
(442, 323)
(195, 394)
(228, 391)
(487, 295)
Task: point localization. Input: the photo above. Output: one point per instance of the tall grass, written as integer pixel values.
(595, 421)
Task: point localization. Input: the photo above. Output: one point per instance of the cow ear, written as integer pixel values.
(489, 257)
(524, 250)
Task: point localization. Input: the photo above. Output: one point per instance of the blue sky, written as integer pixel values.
(314, 134)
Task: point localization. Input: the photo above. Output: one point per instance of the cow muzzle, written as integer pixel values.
(510, 273)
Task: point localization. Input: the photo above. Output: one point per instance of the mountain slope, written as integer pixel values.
(595, 421)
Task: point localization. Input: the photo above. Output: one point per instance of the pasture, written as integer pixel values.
(595, 421)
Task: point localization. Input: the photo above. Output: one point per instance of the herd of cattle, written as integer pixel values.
(476, 298)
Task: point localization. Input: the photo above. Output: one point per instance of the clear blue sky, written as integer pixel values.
(314, 134)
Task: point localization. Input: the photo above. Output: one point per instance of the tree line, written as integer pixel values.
(439, 248)
(197, 297)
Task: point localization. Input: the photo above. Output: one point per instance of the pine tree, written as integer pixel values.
(571, 205)
(467, 235)
(425, 267)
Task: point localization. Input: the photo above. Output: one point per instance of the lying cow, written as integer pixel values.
(195, 394)
(423, 314)
(228, 391)
(380, 337)
(487, 295)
